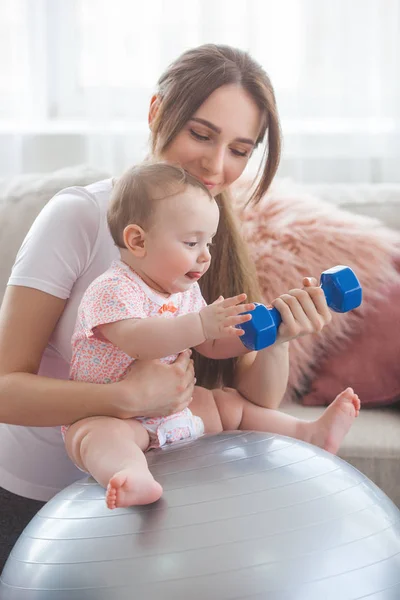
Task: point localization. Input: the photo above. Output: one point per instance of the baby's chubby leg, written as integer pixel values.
(225, 409)
(111, 450)
(220, 410)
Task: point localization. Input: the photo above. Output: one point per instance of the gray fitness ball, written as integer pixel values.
(244, 515)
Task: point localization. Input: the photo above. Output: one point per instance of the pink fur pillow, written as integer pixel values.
(370, 361)
(291, 236)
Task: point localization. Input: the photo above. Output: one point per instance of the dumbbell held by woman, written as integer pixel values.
(342, 292)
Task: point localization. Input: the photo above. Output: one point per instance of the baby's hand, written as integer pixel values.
(220, 318)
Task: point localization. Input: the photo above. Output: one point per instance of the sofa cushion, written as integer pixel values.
(377, 200)
(370, 362)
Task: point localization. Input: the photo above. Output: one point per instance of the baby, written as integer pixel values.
(148, 305)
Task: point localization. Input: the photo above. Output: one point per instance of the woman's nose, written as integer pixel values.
(214, 160)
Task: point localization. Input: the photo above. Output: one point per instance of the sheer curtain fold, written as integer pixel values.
(81, 74)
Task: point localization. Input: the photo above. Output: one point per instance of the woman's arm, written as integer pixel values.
(27, 319)
(262, 376)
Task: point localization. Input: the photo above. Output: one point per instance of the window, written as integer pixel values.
(90, 67)
(14, 58)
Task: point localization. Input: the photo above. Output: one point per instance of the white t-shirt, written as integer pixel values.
(67, 247)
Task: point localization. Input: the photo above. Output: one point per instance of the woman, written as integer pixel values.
(213, 106)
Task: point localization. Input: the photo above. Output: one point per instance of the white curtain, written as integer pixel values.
(76, 77)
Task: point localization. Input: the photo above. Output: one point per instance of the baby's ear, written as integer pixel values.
(134, 239)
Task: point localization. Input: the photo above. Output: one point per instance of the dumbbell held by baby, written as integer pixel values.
(342, 292)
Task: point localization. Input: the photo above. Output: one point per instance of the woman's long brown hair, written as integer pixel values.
(182, 89)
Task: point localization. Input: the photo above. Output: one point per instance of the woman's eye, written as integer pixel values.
(202, 138)
(244, 154)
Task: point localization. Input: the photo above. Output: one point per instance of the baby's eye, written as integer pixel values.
(210, 245)
(191, 244)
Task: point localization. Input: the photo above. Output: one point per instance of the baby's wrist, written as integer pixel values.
(203, 323)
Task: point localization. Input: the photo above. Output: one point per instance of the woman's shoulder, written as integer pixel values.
(67, 239)
(95, 194)
(76, 213)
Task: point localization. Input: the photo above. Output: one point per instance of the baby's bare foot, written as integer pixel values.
(330, 429)
(127, 488)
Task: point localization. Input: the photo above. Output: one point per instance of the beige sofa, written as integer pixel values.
(373, 445)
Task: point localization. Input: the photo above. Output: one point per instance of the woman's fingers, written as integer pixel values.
(318, 297)
(310, 282)
(184, 397)
(183, 361)
(184, 365)
(302, 310)
(293, 322)
(187, 381)
(311, 307)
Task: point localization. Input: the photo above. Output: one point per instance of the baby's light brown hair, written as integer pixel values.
(134, 197)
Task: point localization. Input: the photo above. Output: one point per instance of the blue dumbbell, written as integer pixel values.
(342, 292)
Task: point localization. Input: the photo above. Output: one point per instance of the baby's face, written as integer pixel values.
(178, 241)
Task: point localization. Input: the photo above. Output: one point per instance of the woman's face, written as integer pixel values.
(216, 143)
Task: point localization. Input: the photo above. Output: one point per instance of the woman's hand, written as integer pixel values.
(303, 311)
(155, 389)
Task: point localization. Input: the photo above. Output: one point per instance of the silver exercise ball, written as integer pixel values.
(244, 515)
